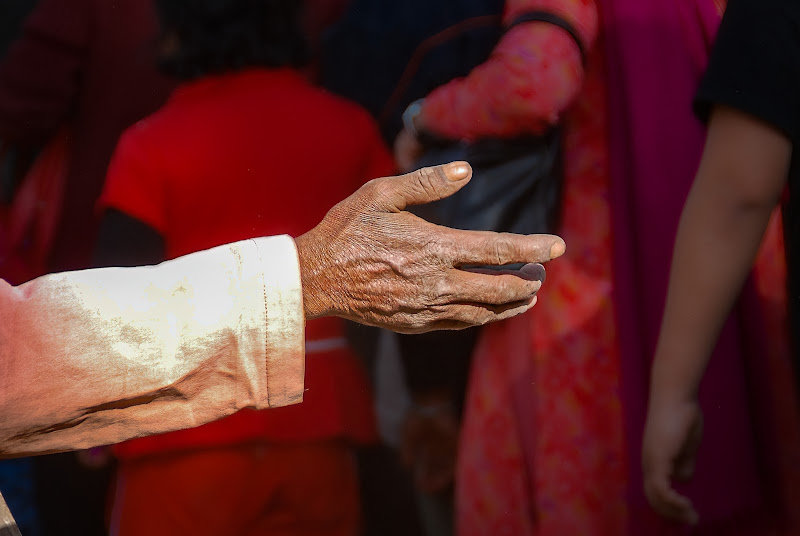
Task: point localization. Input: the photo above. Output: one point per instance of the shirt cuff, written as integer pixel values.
(285, 320)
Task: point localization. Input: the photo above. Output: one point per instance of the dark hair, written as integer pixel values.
(214, 36)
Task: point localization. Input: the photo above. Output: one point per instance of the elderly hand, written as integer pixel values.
(372, 262)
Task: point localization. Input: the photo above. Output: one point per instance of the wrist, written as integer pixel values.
(316, 302)
(669, 387)
(680, 360)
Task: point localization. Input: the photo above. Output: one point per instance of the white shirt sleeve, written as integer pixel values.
(100, 356)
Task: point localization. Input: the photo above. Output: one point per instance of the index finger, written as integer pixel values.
(497, 249)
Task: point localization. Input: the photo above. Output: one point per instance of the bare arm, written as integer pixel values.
(741, 176)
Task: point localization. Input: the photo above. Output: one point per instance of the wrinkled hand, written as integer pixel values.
(672, 435)
(372, 262)
(429, 445)
(407, 150)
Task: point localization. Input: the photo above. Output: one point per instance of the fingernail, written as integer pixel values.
(558, 249)
(534, 272)
(457, 171)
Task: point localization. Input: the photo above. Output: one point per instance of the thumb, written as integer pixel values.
(422, 186)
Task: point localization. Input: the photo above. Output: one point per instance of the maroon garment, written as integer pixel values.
(89, 64)
(319, 15)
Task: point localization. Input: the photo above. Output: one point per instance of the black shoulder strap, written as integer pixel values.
(545, 16)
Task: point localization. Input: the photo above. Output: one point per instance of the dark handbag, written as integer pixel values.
(517, 182)
(515, 188)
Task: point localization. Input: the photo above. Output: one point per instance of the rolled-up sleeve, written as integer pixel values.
(100, 356)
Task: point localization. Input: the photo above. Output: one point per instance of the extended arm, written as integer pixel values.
(104, 355)
(741, 176)
(100, 356)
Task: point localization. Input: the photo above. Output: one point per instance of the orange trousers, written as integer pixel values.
(302, 489)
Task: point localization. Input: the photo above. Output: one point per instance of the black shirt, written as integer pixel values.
(755, 64)
(755, 68)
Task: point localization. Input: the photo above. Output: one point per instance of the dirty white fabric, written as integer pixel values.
(100, 356)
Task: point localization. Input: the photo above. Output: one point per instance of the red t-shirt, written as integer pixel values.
(247, 154)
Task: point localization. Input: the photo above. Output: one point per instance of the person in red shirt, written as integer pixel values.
(244, 131)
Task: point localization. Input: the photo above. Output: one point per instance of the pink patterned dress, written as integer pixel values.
(551, 434)
(563, 355)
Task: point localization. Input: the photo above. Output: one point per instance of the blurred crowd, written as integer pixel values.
(136, 131)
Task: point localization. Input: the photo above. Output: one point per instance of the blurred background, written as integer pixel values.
(132, 131)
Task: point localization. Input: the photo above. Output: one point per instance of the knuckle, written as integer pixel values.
(369, 187)
(441, 292)
(472, 315)
(448, 312)
(422, 321)
(438, 252)
(429, 181)
(381, 188)
(508, 291)
(369, 192)
(496, 294)
(503, 250)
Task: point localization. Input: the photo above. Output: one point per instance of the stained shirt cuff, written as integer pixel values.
(284, 320)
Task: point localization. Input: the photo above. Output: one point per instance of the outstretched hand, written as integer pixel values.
(372, 262)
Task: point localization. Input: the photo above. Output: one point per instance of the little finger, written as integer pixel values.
(489, 288)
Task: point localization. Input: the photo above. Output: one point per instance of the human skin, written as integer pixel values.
(742, 173)
(100, 356)
(372, 262)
